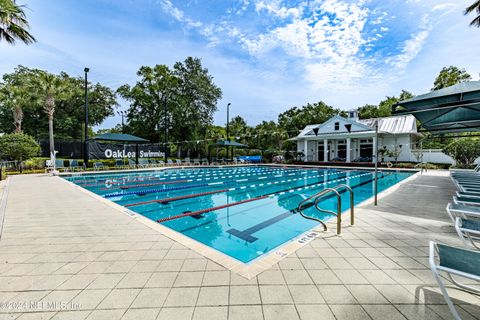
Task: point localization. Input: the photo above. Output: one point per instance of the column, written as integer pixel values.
(325, 150)
(305, 150)
(374, 149)
(349, 152)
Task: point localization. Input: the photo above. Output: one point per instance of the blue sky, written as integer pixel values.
(266, 55)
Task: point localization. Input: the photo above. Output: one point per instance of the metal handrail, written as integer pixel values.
(352, 210)
(319, 195)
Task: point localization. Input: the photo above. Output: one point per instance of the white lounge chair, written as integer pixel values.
(454, 262)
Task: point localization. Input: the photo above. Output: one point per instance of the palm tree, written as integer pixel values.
(50, 88)
(13, 23)
(474, 7)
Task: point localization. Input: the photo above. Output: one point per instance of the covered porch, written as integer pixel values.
(342, 147)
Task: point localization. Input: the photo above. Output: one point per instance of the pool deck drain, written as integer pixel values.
(66, 255)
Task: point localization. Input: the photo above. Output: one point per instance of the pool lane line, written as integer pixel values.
(154, 184)
(196, 213)
(253, 177)
(215, 192)
(233, 214)
(187, 196)
(166, 177)
(148, 191)
(279, 182)
(131, 184)
(268, 195)
(199, 171)
(228, 181)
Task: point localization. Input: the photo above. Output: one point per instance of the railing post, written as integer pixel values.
(352, 210)
(339, 214)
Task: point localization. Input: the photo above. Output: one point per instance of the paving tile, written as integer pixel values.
(175, 313)
(350, 277)
(324, 277)
(89, 299)
(106, 281)
(119, 298)
(150, 298)
(134, 280)
(236, 280)
(216, 278)
(312, 264)
(305, 294)
(106, 315)
(416, 311)
(188, 279)
(271, 277)
(245, 313)
(194, 265)
(396, 294)
(182, 297)
(244, 295)
(315, 312)
(275, 294)
(210, 313)
(366, 294)
(297, 277)
(292, 263)
(383, 311)
(80, 281)
(161, 279)
(143, 314)
(70, 315)
(336, 294)
(213, 296)
(36, 316)
(280, 312)
(349, 312)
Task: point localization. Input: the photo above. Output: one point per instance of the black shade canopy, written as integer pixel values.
(452, 109)
(228, 143)
(120, 137)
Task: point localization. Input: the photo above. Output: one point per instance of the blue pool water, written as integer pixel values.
(242, 230)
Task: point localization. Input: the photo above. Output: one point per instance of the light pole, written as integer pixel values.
(165, 136)
(122, 114)
(228, 120)
(85, 144)
(376, 162)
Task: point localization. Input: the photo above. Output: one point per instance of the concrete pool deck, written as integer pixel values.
(66, 255)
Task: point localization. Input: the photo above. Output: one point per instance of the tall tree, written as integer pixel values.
(197, 97)
(13, 23)
(69, 113)
(187, 92)
(295, 119)
(474, 7)
(384, 108)
(149, 97)
(50, 89)
(450, 76)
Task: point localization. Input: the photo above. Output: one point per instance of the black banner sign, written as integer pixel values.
(98, 150)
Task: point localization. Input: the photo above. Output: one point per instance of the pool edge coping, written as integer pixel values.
(246, 270)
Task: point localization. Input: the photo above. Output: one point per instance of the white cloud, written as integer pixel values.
(412, 47)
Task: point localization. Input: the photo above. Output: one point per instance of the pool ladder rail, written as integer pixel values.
(320, 195)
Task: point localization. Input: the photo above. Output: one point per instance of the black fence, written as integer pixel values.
(97, 150)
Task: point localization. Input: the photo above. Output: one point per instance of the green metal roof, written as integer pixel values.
(121, 137)
(452, 109)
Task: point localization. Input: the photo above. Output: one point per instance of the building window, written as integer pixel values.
(337, 126)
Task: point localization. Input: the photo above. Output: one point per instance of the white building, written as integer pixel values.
(353, 140)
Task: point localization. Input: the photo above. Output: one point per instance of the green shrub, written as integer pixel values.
(464, 151)
(18, 147)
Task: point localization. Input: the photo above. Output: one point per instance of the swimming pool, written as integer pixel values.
(243, 212)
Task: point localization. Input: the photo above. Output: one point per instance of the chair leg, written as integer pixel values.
(445, 294)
